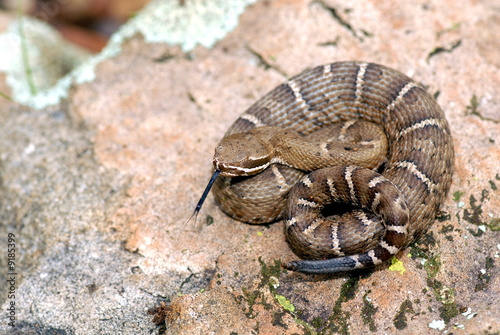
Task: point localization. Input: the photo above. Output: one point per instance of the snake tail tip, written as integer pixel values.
(291, 266)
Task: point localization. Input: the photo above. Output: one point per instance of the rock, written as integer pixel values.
(98, 189)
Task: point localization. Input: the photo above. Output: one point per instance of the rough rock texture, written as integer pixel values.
(98, 189)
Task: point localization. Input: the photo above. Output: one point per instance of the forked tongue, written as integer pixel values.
(204, 195)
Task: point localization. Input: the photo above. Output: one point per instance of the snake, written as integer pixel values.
(347, 213)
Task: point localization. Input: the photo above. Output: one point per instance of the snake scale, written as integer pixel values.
(379, 208)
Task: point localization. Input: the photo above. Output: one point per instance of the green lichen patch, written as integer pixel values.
(338, 320)
(443, 216)
(446, 296)
(285, 303)
(400, 320)
(368, 311)
(448, 311)
(432, 266)
(317, 322)
(277, 319)
(484, 275)
(209, 220)
(485, 194)
(446, 229)
(473, 215)
(495, 224)
(457, 195)
(424, 246)
(269, 275)
(308, 329)
(269, 281)
(473, 105)
(252, 298)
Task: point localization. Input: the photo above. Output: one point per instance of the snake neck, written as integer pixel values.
(352, 143)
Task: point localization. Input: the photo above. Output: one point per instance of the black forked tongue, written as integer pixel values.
(204, 195)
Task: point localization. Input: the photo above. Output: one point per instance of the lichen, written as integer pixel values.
(484, 275)
(285, 303)
(269, 275)
(400, 320)
(397, 265)
(457, 195)
(368, 311)
(495, 224)
(196, 23)
(338, 320)
(432, 266)
(422, 248)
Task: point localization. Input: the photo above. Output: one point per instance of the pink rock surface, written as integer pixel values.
(156, 122)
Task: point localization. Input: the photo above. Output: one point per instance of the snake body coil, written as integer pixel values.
(390, 209)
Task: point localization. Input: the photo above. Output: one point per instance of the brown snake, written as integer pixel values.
(388, 208)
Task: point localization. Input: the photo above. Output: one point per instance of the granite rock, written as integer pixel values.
(99, 188)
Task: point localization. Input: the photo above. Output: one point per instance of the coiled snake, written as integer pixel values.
(361, 211)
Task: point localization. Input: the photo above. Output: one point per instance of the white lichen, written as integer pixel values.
(437, 324)
(198, 22)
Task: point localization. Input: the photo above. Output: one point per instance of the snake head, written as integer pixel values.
(242, 154)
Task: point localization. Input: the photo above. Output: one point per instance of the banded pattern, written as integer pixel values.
(419, 163)
(360, 187)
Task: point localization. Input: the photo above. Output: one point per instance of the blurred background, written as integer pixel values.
(86, 23)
